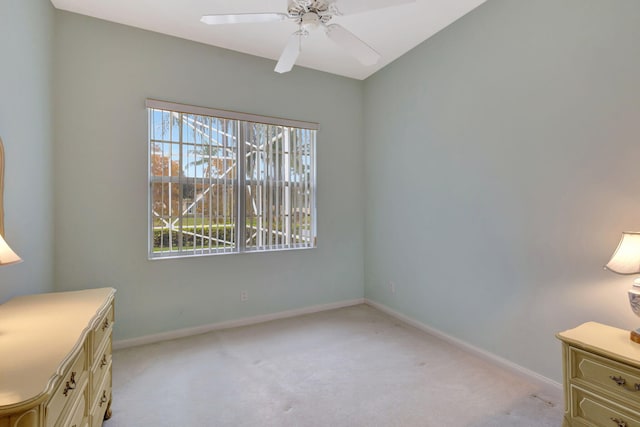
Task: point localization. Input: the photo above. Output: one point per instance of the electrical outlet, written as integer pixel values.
(244, 295)
(392, 287)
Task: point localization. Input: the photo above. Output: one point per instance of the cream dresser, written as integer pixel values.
(601, 367)
(55, 359)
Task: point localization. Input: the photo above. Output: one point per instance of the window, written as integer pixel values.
(225, 182)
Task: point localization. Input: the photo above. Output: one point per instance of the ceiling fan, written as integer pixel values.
(310, 14)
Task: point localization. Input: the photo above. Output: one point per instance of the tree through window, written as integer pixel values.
(225, 182)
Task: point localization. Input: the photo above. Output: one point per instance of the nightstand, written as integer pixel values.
(601, 377)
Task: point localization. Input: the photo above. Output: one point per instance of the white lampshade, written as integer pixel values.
(7, 256)
(626, 258)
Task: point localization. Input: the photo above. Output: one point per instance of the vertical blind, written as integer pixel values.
(225, 182)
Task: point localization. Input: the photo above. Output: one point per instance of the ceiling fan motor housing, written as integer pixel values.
(310, 13)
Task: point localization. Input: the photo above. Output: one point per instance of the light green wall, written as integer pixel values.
(26, 29)
(501, 167)
(103, 74)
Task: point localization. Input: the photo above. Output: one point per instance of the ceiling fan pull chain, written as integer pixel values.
(300, 37)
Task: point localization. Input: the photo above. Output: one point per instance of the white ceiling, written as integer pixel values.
(391, 31)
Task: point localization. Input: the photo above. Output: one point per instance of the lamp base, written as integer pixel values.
(635, 336)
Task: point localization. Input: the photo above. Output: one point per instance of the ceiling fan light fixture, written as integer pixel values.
(310, 20)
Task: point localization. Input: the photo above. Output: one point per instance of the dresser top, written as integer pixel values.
(606, 340)
(39, 335)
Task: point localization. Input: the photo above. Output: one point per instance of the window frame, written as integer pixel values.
(239, 182)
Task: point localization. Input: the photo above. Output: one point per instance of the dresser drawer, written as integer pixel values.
(101, 365)
(101, 402)
(590, 410)
(622, 381)
(102, 329)
(77, 415)
(67, 390)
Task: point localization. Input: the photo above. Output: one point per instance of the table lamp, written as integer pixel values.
(626, 260)
(7, 255)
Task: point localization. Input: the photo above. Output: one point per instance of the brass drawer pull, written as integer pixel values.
(618, 380)
(105, 325)
(103, 399)
(619, 422)
(621, 382)
(71, 384)
(103, 362)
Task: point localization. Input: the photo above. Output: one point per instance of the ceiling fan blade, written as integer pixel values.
(289, 54)
(243, 18)
(348, 7)
(352, 44)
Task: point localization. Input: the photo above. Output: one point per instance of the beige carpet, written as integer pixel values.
(348, 367)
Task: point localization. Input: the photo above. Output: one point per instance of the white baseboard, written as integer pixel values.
(196, 330)
(490, 357)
